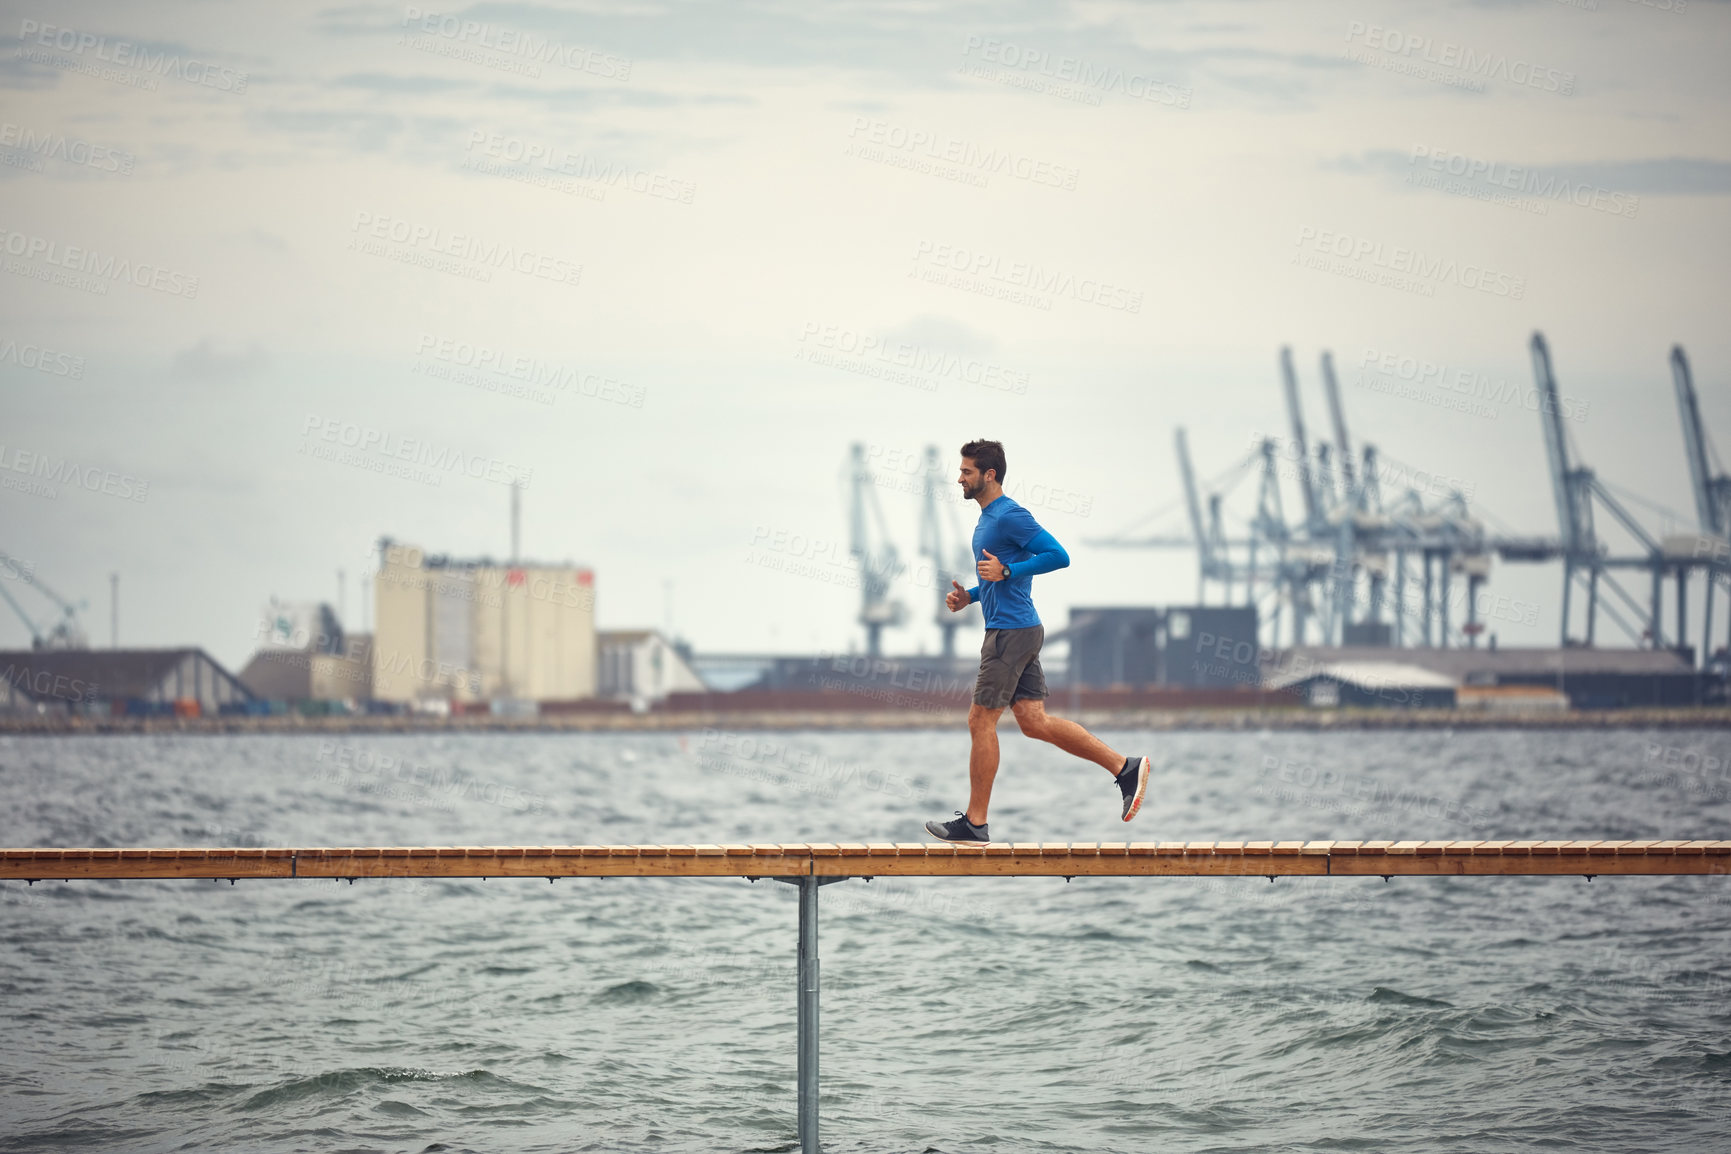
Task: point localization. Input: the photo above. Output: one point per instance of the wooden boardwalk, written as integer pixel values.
(1035, 859)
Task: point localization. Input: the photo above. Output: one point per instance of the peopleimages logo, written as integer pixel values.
(535, 375)
(530, 49)
(924, 363)
(43, 360)
(1090, 78)
(1439, 378)
(433, 242)
(1532, 182)
(58, 469)
(90, 263)
(386, 446)
(125, 54)
(44, 145)
(1410, 263)
(1023, 277)
(919, 148)
(551, 158)
(1465, 66)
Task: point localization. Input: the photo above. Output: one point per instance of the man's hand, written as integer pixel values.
(957, 599)
(991, 569)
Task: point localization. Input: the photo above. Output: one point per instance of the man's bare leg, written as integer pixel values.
(982, 760)
(1066, 735)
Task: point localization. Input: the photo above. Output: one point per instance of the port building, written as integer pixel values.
(460, 632)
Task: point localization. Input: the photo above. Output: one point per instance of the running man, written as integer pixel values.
(1010, 550)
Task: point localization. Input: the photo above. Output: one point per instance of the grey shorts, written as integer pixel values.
(1010, 667)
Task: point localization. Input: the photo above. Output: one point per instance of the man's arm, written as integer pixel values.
(1047, 556)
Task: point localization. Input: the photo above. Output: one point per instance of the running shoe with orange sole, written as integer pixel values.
(1133, 784)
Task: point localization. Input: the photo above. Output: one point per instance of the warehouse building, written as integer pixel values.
(305, 655)
(1369, 684)
(464, 632)
(181, 682)
(1587, 678)
(642, 667)
(297, 675)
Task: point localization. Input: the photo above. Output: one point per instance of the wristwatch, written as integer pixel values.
(1006, 572)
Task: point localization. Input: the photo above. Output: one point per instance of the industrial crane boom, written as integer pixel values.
(1342, 445)
(1192, 502)
(1301, 449)
(1701, 477)
(1569, 522)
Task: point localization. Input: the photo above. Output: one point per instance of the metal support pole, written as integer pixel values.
(1682, 606)
(1707, 620)
(1655, 625)
(1473, 583)
(1568, 580)
(1592, 606)
(808, 1015)
(806, 1003)
(1399, 598)
(1445, 562)
(1429, 607)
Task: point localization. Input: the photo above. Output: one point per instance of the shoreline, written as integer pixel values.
(1297, 719)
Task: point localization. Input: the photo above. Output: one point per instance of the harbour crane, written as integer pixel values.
(1342, 444)
(64, 633)
(876, 554)
(942, 544)
(1313, 518)
(1577, 489)
(1712, 491)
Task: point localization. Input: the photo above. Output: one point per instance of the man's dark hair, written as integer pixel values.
(986, 455)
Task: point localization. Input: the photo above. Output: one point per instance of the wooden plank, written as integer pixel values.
(1194, 859)
(974, 864)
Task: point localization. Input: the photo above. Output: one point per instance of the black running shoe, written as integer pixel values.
(1133, 784)
(959, 830)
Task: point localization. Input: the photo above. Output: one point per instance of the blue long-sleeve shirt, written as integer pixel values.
(1010, 533)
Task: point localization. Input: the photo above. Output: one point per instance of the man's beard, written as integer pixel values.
(969, 492)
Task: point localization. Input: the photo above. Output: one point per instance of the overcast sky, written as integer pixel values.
(306, 275)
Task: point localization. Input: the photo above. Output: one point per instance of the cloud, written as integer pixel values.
(1663, 176)
(409, 85)
(935, 332)
(206, 362)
